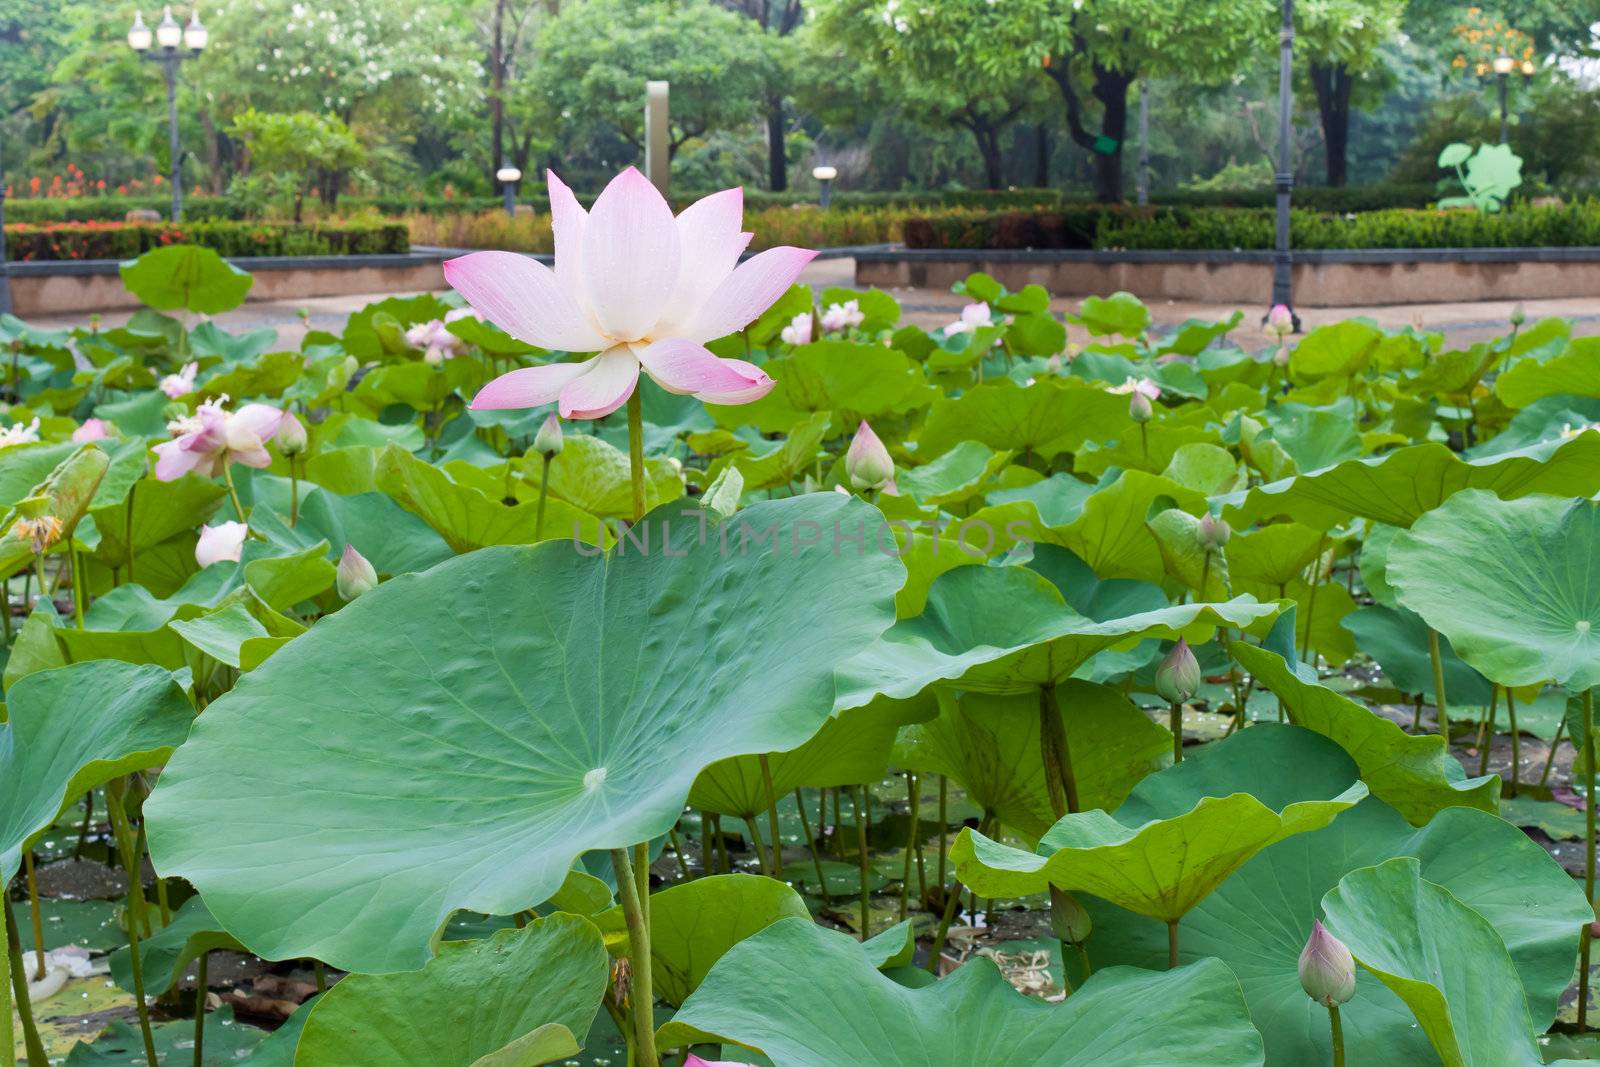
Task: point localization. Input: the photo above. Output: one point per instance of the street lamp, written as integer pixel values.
(1503, 66)
(508, 177)
(1282, 261)
(173, 44)
(824, 176)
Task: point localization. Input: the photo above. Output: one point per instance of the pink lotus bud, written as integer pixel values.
(1327, 971)
(1280, 320)
(1178, 676)
(291, 435)
(1139, 408)
(91, 430)
(355, 575)
(1214, 532)
(867, 463)
(548, 442)
(224, 541)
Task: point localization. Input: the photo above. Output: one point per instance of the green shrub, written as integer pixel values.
(124, 240)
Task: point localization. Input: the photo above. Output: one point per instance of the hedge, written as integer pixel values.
(1523, 226)
(125, 240)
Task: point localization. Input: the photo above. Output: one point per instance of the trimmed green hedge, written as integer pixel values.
(1212, 229)
(125, 240)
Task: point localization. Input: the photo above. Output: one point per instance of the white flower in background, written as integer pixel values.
(18, 434)
(972, 317)
(182, 383)
(798, 332)
(1143, 386)
(837, 317)
(435, 339)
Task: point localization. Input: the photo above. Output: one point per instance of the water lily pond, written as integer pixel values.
(650, 660)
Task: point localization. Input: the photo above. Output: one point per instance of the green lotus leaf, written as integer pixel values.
(1121, 314)
(1101, 601)
(284, 581)
(75, 728)
(1398, 487)
(1186, 558)
(268, 376)
(1575, 371)
(1007, 630)
(1510, 583)
(465, 517)
(593, 477)
(1036, 333)
(226, 1041)
(782, 464)
(1258, 920)
(1315, 437)
(1042, 419)
(472, 1000)
(560, 704)
(1153, 450)
(1112, 535)
(188, 277)
(392, 539)
(848, 379)
(957, 475)
(1204, 467)
(1337, 350)
(161, 510)
(25, 465)
(990, 744)
(166, 953)
(1182, 831)
(809, 997)
(693, 924)
(1398, 640)
(1440, 957)
(1412, 772)
(1274, 556)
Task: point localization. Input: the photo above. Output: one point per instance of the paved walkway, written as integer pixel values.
(1463, 323)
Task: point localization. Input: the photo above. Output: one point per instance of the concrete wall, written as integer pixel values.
(1321, 279)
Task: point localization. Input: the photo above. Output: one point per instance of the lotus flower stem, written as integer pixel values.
(1175, 724)
(636, 451)
(1588, 855)
(722, 844)
(1439, 700)
(294, 502)
(200, 984)
(952, 899)
(233, 492)
(1059, 778)
(8, 1037)
(1172, 943)
(544, 491)
(1516, 741)
(1486, 729)
(944, 824)
(19, 990)
(127, 530)
(861, 798)
(80, 584)
(914, 784)
(319, 971)
(130, 850)
(1311, 600)
(755, 843)
(1338, 1035)
(1550, 760)
(772, 817)
(636, 912)
(811, 842)
(39, 969)
(677, 850)
(911, 840)
(708, 861)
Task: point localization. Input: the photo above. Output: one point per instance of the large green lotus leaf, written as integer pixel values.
(1338, 350)
(593, 477)
(227, 1041)
(1154, 450)
(1574, 372)
(1183, 830)
(74, 728)
(808, 997)
(1186, 557)
(784, 462)
(957, 475)
(392, 539)
(1413, 772)
(1257, 922)
(267, 376)
(1511, 583)
(693, 924)
(1315, 437)
(1099, 600)
(849, 380)
(852, 747)
(1052, 415)
(1007, 630)
(1440, 957)
(1274, 555)
(470, 1001)
(1398, 487)
(23, 466)
(1398, 640)
(64, 495)
(169, 951)
(1121, 314)
(460, 736)
(465, 517)
(990, 744)
(1203, 467)
(188, 277)
(160, 510)
(1112, 534)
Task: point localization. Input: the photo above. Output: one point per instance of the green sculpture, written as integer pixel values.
(1490, 175)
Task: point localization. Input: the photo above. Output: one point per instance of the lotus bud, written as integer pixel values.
(1519, 315)
(291, 435)
(1178, 676)
(867, 463)
(355, 575)
(1280, 320)
(1139, 409)
(1327, 971)
(1214, 532)
(547, 442)
(224, 541)
(1068, 920)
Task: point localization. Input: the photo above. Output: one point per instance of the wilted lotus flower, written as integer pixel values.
(635, 285)
(437, 343)
(1139, 387)
(867, 462)
(210, 438)
(1327, 971)
(1280, 321)
(180, 384)
(836, 317)
(548, 441)
(224, 541)
(291, 435)
(1178, 676)
(1214, 532)
(798, 332)
(354, 574)
(19, 434)
(972, 316)
(91, 430)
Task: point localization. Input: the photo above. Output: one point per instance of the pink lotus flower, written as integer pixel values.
(836, 317)
(798, 332)
(635, 285)
(1143, 386)
(91, 430)
(434, 336)
(972, 317)
(210, 438)
(182, 383)
(867, 463)
(1280, 320)
(224, 541)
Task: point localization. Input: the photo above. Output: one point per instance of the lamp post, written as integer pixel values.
(5, 268)
(1282, 261)
(508, 177)
(170, 40)
(824, 176)
(1503, 66)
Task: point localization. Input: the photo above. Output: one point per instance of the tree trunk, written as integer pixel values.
(497, 75)
(777, 149)
(1041, 159)
(1111, 89)
(1333, 84)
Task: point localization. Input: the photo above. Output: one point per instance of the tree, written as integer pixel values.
(779, 18)
(1343, 41)
(507, 29)
(596, 56)
(301, 150)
